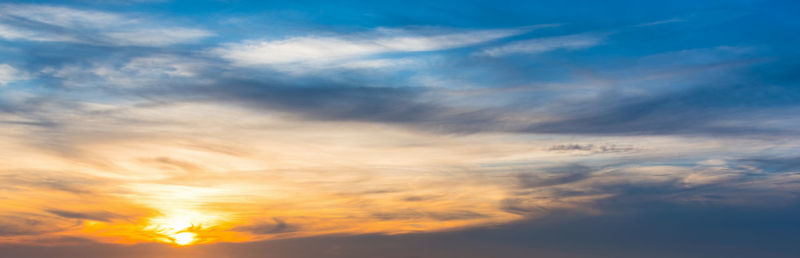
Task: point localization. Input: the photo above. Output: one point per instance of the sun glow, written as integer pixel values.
(184, 238)
(180, 227)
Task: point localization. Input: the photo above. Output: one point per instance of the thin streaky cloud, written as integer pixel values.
(541, 45)
(660, 22)
(48, 23)
(326, 48)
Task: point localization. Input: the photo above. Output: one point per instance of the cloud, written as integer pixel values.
(541, 45)
(149, 71)
(10, 226)
(63, 24)
(419, 198)
(773, 164)
(49, 180)
(647, 24)
(329, 100)
(278, 227)
(97, 215)
(600, 148)
(584, 189)
(9, 74)
(555, 176)
(321, 49)
(700, 110)
(156, 37)
(413, 215)
(15, 224)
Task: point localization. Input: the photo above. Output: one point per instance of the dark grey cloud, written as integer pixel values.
(571, 147)
(104, 216)
(30, 110)
(615, 188)
(320, 99)
(278, 226)
(15, 226)
(416, 215)
(418, 198)
(47, 180)
(773, 164)
(71, 187)
(185, 166)
(555, 176)
(31, 224)
(330, 101)
(702, 110)
(595, 148)
(520, 207)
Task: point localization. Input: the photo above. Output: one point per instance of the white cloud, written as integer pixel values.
(541, 45)
(14, 33)
(55, 15)
(139, 72)
(159, 66)
(315, 49)
(157, 37)
(62, 24)
(9, 74)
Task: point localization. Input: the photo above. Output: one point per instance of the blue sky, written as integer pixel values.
(247, 124)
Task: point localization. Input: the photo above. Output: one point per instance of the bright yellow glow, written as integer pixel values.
(184, 238)
(180, 226)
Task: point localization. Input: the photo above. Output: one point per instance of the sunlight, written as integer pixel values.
(184, 238)
(180, 227)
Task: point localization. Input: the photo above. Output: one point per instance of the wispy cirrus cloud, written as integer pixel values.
(46, 23)
(137, 72)
(660, 22)
(317, 49)
(541, 45)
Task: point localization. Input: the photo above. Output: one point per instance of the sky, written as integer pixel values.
(299, 129)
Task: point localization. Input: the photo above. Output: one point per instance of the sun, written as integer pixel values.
(184, 238)
(180, 227)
